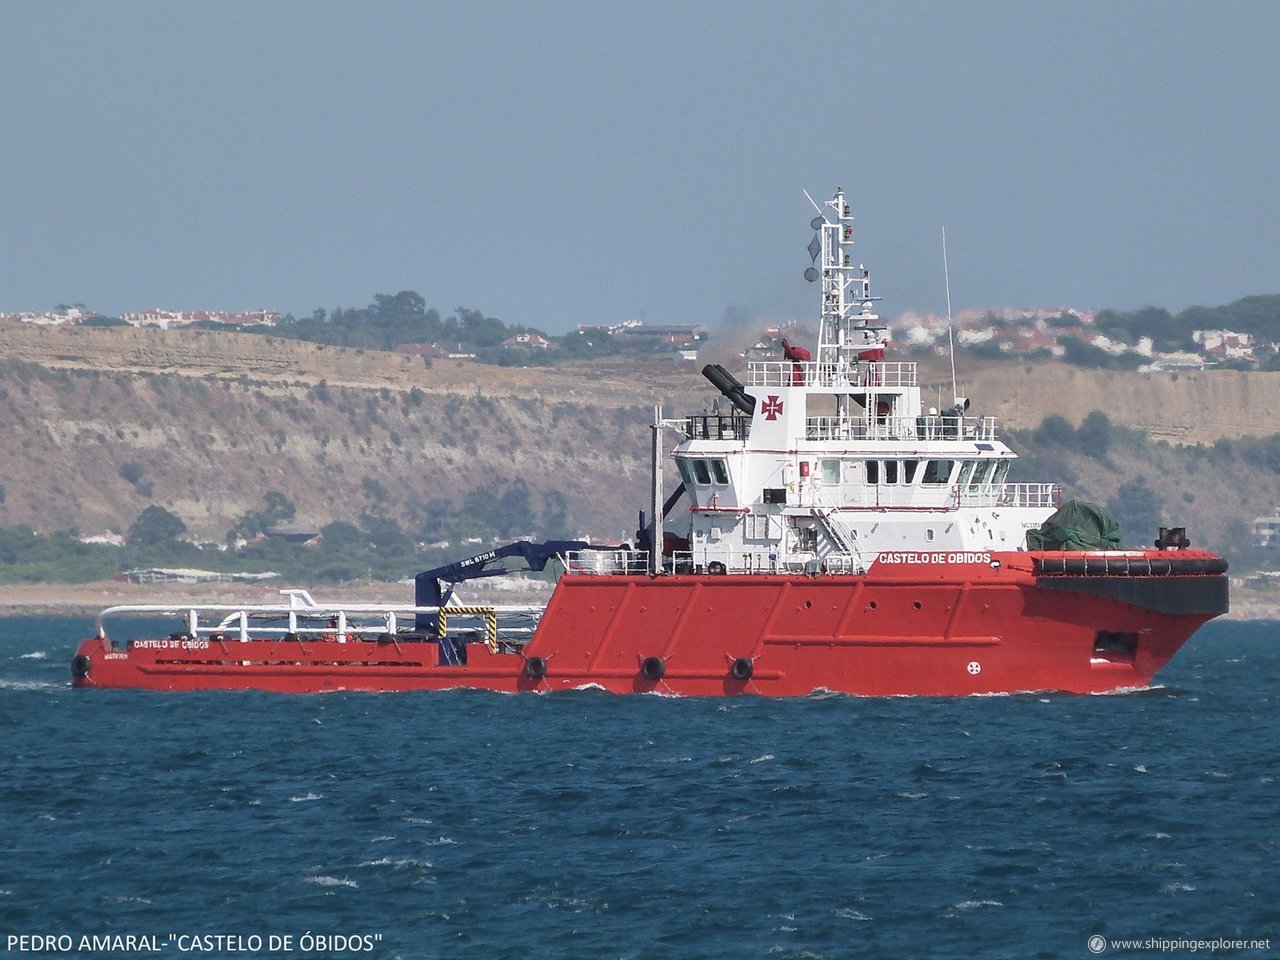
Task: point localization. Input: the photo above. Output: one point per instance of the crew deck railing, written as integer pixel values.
(894, 496)
(787, 373)
(302, 619)
(901, 428)
(601, 562)
(716, 426)
(1014, 495)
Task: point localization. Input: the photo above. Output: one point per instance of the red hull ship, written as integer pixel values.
(838, 537)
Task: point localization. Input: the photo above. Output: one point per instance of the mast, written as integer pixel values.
(848, 323)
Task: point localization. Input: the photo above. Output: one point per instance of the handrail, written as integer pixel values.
(866, 427)
(237, 616)
(864, 375)
(603, 562)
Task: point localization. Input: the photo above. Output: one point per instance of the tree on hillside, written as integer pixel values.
(276, 508)
(340, 535)
(1094, 434)
(384, 535)
(1055, 430)
(156, 525)
(1137, 510)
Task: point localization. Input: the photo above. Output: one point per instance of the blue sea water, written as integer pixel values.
(477, 825)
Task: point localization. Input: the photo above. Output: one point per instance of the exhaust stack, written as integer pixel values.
(726, 383)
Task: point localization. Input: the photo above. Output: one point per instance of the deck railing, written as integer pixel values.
(605, 562)
(901, 428)
(304, 619)
(1014, 495)
(787, 373)
(893, 496)
(716, 426)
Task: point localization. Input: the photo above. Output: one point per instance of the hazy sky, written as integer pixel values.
(556, 163)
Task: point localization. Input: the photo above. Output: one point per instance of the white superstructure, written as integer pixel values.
(831, 461)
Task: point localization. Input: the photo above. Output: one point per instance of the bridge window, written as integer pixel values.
(701, 475)
(686, 474)
(719, 472)
(966, 469)
(831, 472)
(981, 474)
(937, 472)
(873, 471)
(909, 470)
(891, 471)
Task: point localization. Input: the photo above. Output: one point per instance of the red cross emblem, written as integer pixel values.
(772, 408)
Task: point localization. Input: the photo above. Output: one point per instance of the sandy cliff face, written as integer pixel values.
(1184, 408)
(214, 421)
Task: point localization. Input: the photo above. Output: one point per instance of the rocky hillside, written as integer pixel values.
(214, 421)
(1196, 407)
(210, 422)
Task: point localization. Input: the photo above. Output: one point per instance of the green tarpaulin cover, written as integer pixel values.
(1076, 525)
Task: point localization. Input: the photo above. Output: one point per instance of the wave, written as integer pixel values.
(399, 864)
(7, 683)
(326, 881)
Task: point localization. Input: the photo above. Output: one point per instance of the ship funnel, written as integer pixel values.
(726, 383)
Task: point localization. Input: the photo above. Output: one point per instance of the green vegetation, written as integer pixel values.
(1081, 354)
(1258, 316)
(377, 548)
(394, 320)
(57, 558)
(1048, 451)
(1137, 510)
(156, 527)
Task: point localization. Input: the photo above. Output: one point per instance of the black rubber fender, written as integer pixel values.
(80, 665)
(535, 667)
(652, 668)
(716, 569)
(743, 668)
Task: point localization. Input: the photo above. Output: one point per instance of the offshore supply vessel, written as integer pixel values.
(828, 532)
